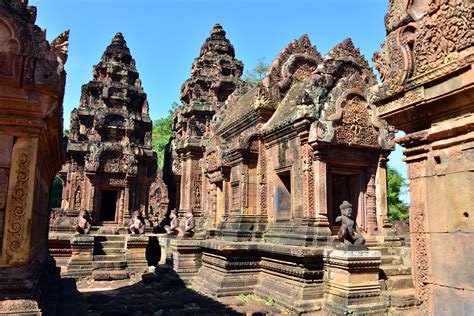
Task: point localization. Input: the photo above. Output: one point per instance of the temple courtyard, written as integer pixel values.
(266, 192)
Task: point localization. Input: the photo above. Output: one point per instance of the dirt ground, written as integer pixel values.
(164, 294)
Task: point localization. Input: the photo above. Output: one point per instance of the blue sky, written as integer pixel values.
(165, 36)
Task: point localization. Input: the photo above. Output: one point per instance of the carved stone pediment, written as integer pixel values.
(424, 42)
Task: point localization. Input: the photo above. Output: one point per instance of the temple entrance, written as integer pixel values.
(345, 185)
(283, 195)
(108, 205)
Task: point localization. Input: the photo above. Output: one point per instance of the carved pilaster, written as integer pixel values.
(262, 179)
(20, 202)
(371, 203)
(321, 190)
(308, 180)
(381, 194)
(243, 188)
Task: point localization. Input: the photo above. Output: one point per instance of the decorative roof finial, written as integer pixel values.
(119, 40)
(217, 30)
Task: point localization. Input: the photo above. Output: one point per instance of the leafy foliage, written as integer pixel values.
(56, 192)
(397, 185)
(162, 131)
(257, 73)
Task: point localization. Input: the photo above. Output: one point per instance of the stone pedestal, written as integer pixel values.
(298, 232)
(80, 264)
(59, 247)
(136, 254)
(292, 276)
(228, 268)
(243, 227)
(351, 283)
(23, 290)
(186, 257)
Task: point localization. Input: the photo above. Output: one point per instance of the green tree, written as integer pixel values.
(56, 192)
(397, 185)
(258, 72)
(162, 131)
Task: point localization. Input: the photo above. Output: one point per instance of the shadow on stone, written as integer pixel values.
(166, 294)
(153, 251)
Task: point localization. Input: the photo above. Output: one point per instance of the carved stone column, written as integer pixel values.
(308, 181)
(126, 203)
(262, 180)
(20, 203)
(244, 174)
(321, 192)
(371, 202)
(381, 194)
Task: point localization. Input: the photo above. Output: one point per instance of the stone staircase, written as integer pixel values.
(109, 258)
(396, 277)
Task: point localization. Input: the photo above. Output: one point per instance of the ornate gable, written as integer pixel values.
(297, 61)
(426, 39)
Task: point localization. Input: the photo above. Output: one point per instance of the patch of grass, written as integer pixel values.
(270, 301)
(255, 298)
(250, 298)
(192, 288)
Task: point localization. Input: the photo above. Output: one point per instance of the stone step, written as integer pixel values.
(109, 244)
(109, 257)
(413, 311)
(109, 238)
(399, 282)
(109, 275)
(109, 251)
(109, 265)
(391, 259)
(395, 269)
(397, 251)
(401, 299)
(383, 250)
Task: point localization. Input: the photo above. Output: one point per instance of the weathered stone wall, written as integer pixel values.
(32, 80)
(109, 148)
(427, 91)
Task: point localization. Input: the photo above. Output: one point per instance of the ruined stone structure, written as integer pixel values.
(158, 202)
(109, 169)
(279, 156)
(214, 76)
(260, 177)
(426, 67)
(110, 163)
(32, 80)
(276, 161)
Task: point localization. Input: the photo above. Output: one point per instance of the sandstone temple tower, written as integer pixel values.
(265, 169)
(110, 163)
(215, 74)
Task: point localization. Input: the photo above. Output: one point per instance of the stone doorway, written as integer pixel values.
(108, 206)
(283, 195)
(344, 185)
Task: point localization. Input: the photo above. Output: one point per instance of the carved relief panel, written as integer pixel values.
(355, 126)
(8, 42)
